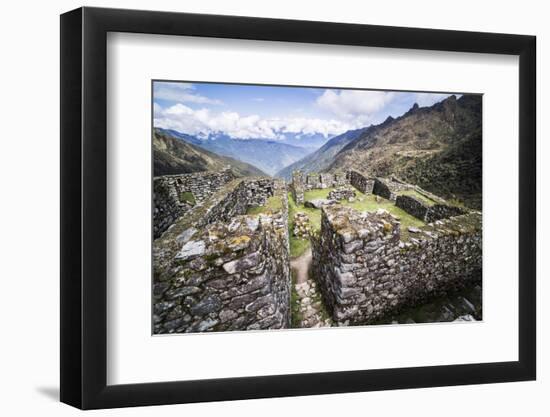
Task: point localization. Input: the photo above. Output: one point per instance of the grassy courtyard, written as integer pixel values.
(363, 202)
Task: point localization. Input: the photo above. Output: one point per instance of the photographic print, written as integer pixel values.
(284, 207)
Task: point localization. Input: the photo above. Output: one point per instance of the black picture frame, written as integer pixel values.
(84, 207)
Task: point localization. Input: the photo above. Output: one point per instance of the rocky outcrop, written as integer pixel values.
(219, 269)
(318, 203)
(365, 271)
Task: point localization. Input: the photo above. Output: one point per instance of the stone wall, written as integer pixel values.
(168, 193)
(425, 212)
(443, 211)
(389, 188)
(361, 182)
(218, 269)
(313, 182)
(365, 271)
(324, 180)
(297, 187)
(412, 206)
(341, 193)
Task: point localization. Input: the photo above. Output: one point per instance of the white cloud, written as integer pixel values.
(203, 122)
(180, 92)
(350, 104)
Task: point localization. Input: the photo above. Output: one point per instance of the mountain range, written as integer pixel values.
(269, 156)
(437, 147)
(172, 155)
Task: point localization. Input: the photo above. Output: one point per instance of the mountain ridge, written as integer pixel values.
(268, 155)
(172, 156)
(436, 147)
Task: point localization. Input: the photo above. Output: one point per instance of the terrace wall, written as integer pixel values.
(425, 212)
(168, 204)
(388, 188)
(365, 271)
(219, 269)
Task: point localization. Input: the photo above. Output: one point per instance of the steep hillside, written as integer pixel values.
(267, 155)
(437, 147)
(174, 156)
(323, 157)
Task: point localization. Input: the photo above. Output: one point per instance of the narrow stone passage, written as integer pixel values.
(311, 312)
(308, 310)
(301, 266)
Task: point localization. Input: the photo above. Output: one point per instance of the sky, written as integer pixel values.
(267, 112)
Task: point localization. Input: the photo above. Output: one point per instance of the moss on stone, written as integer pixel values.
(187, 197)
(272, 205)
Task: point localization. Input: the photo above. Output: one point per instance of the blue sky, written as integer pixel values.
(255, 111)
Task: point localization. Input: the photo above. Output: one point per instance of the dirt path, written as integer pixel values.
(301, 265)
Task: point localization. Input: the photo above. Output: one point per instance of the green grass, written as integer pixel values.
(315, 194)
(422, 198)
(272, 204)
(368, 204)
(298, 246)
(187, 197)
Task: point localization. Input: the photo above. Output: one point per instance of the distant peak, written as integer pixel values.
(389, 119)
(412, 110)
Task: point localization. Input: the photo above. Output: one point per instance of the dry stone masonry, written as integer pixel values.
(361, 182)
(427, 212)
(218, 268)
(301, 225)
(174, 195)
(342, 193)
(301, 183)
(366, 271)
(297, 187)
(389, 187)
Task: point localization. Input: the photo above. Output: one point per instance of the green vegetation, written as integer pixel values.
(370, 204)
(172, 156)
(315, 194)
(363, 202)
(299, 246)
(422, 198)
(187, 197)
(272, 205)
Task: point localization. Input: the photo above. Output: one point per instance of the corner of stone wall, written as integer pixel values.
(225, 270)
(365, 271)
